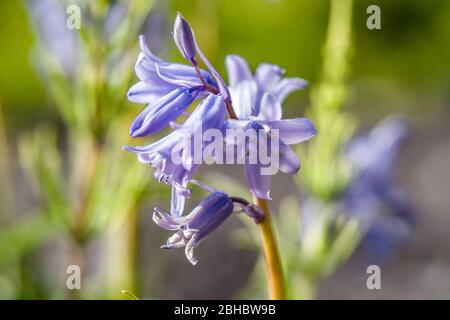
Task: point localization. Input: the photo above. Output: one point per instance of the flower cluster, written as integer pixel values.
(248, 102)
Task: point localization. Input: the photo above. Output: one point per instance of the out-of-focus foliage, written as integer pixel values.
(85, 184)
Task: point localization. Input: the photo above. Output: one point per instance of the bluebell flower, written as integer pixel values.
(257, 102)
(159, 77)
(169, 88)
(206, 217)
(373, 197)
(195, 226)
(210, 113)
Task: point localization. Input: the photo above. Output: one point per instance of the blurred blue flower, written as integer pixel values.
(49, 18)
(373, 197)
(257, 102)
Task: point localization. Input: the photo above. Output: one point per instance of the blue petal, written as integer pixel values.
(377, 151)
(259, 184)
(210, 113)
(237, 69)
(157, 116)
(166, 142)
(293, 131)
(211, 213)
(145, 68)
(146, 51)
(289, 161)
(244, 97)
(270, 108)
(286, 86)
(268, 75)
(149, 90)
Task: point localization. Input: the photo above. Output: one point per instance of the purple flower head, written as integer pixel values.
(158, 115)
(184, 39)
(206, 217)
(159, 77)
(257, 102)
(373, 191)
(251, 102)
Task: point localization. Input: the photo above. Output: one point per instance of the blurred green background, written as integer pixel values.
(402, 69)
(405, 64)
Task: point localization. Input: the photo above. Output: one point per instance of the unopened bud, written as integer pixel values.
(184, 39)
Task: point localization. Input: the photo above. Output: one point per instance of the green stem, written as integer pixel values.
(274, 268)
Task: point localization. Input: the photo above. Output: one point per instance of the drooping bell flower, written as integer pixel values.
(194, 227)
(204, 219)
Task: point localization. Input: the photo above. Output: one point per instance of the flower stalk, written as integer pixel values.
(274, 269)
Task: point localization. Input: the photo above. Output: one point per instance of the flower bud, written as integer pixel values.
(184, 39)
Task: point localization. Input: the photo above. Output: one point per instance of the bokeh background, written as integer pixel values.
(402, 69)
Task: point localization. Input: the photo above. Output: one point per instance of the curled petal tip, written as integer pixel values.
(305, 83)
(133, 133)
(190, 256)
(126, 148)
(312, 132)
